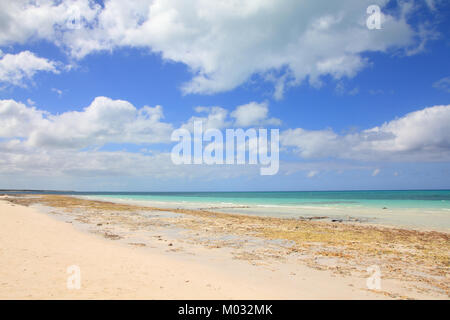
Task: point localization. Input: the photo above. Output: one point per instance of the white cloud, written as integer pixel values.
(19, 160)
(34, 142)
(216, 118)
(223, 43)
(376, 172)
(111, 121)
(312, 144)
(341, 89)
(246, 115)
(443, 84)
(103, 121)
(253, 114)
(18, 120)
(16, 68)
(422, 135)
(22, 20)
(312, 173)
(57, 91)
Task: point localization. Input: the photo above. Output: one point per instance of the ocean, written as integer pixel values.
(427, 209)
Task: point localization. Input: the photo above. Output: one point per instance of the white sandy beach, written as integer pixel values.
(37, 249)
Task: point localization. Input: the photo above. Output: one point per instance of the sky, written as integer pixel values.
(91, 91)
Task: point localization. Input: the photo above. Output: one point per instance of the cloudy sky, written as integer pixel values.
(90, 92)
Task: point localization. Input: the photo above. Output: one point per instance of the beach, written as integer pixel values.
(225, 150)
(125, 251)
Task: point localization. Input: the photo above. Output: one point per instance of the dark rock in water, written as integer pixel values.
(112, 236)
(313, 218)
(137, 244)
(384, 207)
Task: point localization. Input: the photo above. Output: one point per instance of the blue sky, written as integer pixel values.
(343, 85)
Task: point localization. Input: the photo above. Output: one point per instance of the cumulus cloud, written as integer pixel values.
(36, 142)
(211, 118)
(113, 121)
(17, 68)
(422, 135)
(18, 158)
(22, 20)
(18, 120)
(103, 121)
(253, 114)
(223, 43)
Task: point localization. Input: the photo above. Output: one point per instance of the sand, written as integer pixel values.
(36, 250)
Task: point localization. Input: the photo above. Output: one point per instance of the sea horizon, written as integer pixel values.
(224, 191)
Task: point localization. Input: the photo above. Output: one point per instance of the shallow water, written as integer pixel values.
(428, 209)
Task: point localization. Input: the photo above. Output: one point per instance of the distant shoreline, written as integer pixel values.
(203, 191)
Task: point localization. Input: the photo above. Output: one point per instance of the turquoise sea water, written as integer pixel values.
(429, 209)
(393, 199)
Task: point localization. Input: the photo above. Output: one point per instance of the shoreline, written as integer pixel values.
(240, 210)
(383, 217)
(276, 257)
